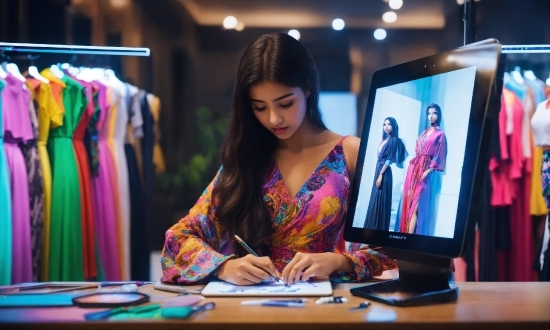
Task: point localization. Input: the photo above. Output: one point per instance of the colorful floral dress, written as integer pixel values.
(312, 221)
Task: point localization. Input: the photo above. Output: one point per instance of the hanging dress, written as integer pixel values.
(49, 115)
(158, 155)
(102, 187)
(17, 129)
(138, 236)
(147, 148)
(120, 122)
(36, 184)
(85, 183)
(113, 97)
(5, 207)
(66, 257)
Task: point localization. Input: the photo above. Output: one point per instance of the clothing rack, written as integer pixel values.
(55, 53)
(73, 49)
(523, 49)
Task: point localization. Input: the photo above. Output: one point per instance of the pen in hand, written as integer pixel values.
(247, 248)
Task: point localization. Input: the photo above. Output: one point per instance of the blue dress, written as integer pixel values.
(379, 209)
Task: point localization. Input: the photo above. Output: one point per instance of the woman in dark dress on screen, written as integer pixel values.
(390, 151)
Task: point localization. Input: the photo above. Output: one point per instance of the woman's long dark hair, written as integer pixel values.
(398, 150)
(248, 146)
(437, 109)
(394, 126)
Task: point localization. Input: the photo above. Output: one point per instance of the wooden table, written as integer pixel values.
(484, 306)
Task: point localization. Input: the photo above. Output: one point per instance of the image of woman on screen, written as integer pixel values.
(417, 202)
(391, 150)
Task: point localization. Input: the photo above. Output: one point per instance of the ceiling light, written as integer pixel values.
(380, 34)
(294, 34)
(460, 2)
(338, 24)
(396, 4)
(230, 22)
(389, 17)
(119, 3)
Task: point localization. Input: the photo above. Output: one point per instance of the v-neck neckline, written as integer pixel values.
(427, 135)
(382, 145)
(280, 175)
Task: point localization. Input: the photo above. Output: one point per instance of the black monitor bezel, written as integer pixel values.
(485, 55)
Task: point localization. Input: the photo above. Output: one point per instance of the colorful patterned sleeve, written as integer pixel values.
(366, 263)
(191, 247)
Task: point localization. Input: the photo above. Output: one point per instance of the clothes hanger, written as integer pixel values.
(56, 71)
(516, 75)
(85, 74)
(14, 70)
(3, 70)
(530, 75)
(3, 74)
(33, 72)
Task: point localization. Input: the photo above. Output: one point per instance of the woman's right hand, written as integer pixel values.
(247, 270)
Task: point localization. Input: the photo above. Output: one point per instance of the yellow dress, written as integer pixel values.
(537, 205)
(158, 156)
(49, 115)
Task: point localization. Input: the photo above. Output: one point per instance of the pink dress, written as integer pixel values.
(18, 129)
(103, 201)
(430, 153)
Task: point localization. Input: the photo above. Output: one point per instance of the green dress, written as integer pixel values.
(66, 256)
(5, 208)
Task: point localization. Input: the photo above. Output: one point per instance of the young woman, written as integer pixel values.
(283, 185)
(431, 152)
(390, 151)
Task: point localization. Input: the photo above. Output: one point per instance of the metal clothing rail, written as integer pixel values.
(525, 49)
(72, 49)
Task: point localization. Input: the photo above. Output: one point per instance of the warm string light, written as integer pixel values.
(395, 4)
(389, 17)
(230, 22)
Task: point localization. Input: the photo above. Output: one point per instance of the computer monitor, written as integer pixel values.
(441, 109)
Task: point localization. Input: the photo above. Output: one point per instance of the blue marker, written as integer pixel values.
(275, 303)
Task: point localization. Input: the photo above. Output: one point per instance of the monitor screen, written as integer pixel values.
(409, 144)
(425, 128)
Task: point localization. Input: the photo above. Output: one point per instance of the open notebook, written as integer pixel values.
(268, 289)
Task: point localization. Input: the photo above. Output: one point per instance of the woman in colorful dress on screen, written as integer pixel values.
(391, 150)
(283, 186)
(418, 202)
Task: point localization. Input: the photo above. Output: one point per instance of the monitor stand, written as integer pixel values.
(423, 280)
